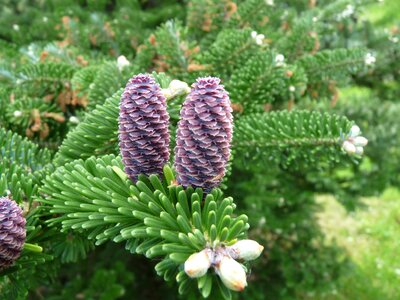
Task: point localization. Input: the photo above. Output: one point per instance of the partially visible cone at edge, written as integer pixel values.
(143, 127)
(12, 232)
(204, 135)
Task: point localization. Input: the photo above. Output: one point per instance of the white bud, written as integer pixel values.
(349, 147)
(369, 59)
(198, 263)
(167, 93)
(16, 27)
(260, 39)
(74, 120)
(349, 10)
(17, 113)
(122, 62)
(232, 274)
(314, 19)
(360, 141)
(292, 88)
(246, 249)
(354, 131)
(45, 19)
(178, 87)
(279, 60)
(359, 150)
(270, 2)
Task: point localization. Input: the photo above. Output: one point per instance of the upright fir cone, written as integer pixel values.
(204, 135)
(143, 127)
(12, 232)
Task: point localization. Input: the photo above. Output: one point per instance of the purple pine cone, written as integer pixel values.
(143, 127)
(204, 135)
(12, 232)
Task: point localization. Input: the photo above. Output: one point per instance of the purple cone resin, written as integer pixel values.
(143, 127)
(204, 135)
(12, 232)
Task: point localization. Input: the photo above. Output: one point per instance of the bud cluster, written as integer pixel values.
(224, 261)
(369, 59)
(354, 143)
(258, 38)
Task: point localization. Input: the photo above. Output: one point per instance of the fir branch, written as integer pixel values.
(169, 44)
(286, 136)
(231, 50)
(22, 152)
(333, 64)
(58, 73)
(22, 164)
(106, 82)
(96, 135)
(156, 219)
(248, 11)
(260, 81)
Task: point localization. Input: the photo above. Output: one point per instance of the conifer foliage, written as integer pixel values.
(195, 134)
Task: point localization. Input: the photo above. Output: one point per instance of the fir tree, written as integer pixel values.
(102, 142)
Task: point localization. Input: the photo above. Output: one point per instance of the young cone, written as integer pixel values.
(204, 135)
(143, 127)
(12, 232)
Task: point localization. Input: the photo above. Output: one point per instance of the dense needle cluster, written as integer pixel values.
(12, 232)
(204, 135)
(143, 127)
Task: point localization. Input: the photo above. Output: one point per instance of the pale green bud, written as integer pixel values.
(246, 249)
(349, 147)
(354, 131)
(360, 141)
(198, 263)
(232, 274)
